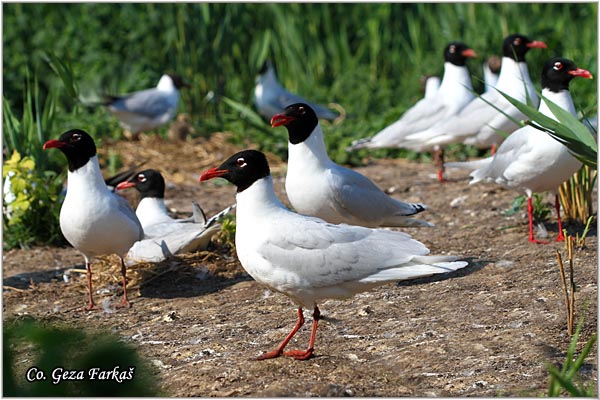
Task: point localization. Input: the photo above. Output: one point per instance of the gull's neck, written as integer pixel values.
(152, 210)
(455, 78)
(87, 179)
(311, 151)
(165, 84)
(258, 200)
(561, 98)
(514, 78)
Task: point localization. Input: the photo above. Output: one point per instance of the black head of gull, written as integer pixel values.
(516, 46)
(178, 81)
(457, 53)
(149, 183)
(299, 119)
(558, 72)
(77, 145)
(242, 169)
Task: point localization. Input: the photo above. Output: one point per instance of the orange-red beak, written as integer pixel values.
(212, 173)
(53, 144)
(280, 119)
(537, 44)
(583, 73)
(469, 53)
(124, 185)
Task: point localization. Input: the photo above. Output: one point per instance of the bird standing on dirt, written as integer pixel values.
(318, 187)
(454, 92)
(530, 159)
(308, 259)
(482, 121)
(147, 109)
(272, 98)
(93, 219)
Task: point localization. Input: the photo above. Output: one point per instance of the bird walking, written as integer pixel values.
(318, 187)
(308, 259)
(93, 219)
(147, 109)
(530, 159)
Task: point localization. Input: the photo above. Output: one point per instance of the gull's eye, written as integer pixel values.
(517, 41)
(141, 178)
(301, 110)
(558, 66)
(452, 49)
(241, 162)
(76, 137)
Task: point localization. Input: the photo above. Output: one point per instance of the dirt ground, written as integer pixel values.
(487, 330)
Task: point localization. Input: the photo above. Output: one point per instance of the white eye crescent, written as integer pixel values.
(241, 162)
(558, 66)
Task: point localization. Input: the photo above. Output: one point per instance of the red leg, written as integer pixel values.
(306, 354)
(561, 236)
(125, 302)
(279, 350)
(438, 157)
(530, 214)
(88, 267)
(494, 148)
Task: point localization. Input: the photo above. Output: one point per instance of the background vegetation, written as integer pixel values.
(366, 57)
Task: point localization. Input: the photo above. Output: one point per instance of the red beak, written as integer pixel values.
(124, 185)
(280, 119)
(537, 44)
(53, 144)
(212, 173)
(583, 73)
(469, 53)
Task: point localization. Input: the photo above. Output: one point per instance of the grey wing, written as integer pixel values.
(150, 103)
(324, 254)
(180, 241)
(477, 114)
(423, 114)
(128, 212)
(358, 196)
(507, 158)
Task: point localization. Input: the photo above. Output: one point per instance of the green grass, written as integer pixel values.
(367, 57)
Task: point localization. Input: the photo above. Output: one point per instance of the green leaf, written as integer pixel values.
(567, 129)
(245, 111)
(568, 385)
(65, 72)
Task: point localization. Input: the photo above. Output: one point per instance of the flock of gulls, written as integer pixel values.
(337, 242)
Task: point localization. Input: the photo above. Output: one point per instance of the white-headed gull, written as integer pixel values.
(318, 187)
(147, 109)
(308, 259)
(455, 91)
(272, 98)
(165, 236)
(530, 159)
(93, 219)
(480, 123)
